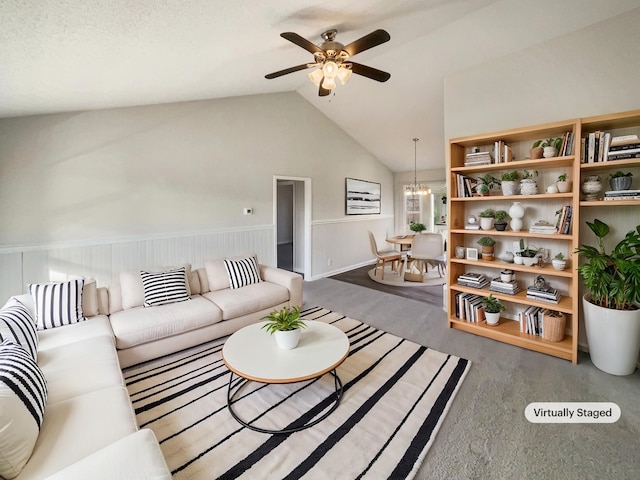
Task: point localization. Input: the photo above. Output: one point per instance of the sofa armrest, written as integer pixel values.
(291, 281)
(136, 456)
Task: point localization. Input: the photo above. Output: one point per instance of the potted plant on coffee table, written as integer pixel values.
(611, 313)
(500, 220)
(492, 308)
(487, 244)
(285, 326)
(487, 218)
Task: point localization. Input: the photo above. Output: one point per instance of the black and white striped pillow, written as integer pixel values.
(164, 287)
(57, 304)
(242, 272)
(17, 325)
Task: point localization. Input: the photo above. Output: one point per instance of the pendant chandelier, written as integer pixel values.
(416, 188)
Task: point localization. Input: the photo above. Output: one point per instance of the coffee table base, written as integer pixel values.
(233, 390)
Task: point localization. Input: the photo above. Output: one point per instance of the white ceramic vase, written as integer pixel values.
(288, 339)
(613, 337)
(516, 212)
(528, 187)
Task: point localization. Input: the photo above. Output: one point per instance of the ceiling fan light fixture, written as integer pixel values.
(329, 83)
(330, 69)
(344, 74)
(316, 76)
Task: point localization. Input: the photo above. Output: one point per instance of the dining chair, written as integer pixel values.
(429, 249)
(384, 256)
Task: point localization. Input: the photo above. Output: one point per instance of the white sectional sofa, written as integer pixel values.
(89, 428)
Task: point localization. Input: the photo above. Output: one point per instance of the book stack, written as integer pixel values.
(531, 320)
(563, 220)
(510, 288)
(475, 280)
(627, 146)
(502, 152)
(567, 145)
(468, 307)
(545, 294)
(477, 158)
(466, 185)
(622, 195)
(542, 226)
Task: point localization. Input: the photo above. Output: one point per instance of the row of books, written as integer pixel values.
(603, 147)
(510, 288)
(502, 152)
(567, 145)
(468, 307)
(531, 320)
(563, 220)
(548, 294)
(466, 185)
(622, 195)
(474, 280)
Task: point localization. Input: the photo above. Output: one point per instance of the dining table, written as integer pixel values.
(406, 242)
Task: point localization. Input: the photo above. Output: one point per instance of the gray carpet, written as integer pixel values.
(485, 435)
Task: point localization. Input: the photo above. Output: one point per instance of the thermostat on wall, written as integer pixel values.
(248, 211)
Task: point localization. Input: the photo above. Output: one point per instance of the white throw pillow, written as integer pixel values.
(164, 287)
(18, 326)
(242, 272)
(23, 396)
(57, 304)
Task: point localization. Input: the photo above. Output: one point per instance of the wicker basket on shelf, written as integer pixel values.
(553, 326)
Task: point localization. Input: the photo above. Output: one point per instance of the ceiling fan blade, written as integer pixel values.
(323, 92)
(369, 72)
(289, 70)
(301, 42)
(368, 41)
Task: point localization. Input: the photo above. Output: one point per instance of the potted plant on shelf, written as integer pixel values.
(526, 255)
(509, 183)
(500, 220)
(487, 218)
(285, 325)
(550, 146)
(528, 184)
(492, 308)
(486, 183)
(559, 262)
(611, 314)
(417, 227)
(487, 244)
(563, 183)
(620, 180)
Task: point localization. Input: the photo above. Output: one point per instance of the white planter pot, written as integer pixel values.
(510, 187)
(564, 187)
(549, 152)
(528, 187)
(287, 340)
(492, 318)
(486, 223)
(613, 336)
(559, 264)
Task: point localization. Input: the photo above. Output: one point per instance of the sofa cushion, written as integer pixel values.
(217, 276)
(23, 396)
(249, 299)
(242, 272)
(17, 325)
(132, 288)
(78, 427)
(141, 325)
(94, 327)
(136, 454)
(164, 287)
(57, 304)
(81, 367)
(89, 298)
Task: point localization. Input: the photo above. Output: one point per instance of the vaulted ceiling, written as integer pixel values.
(69, 55)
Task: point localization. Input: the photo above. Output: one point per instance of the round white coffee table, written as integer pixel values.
(253, 355)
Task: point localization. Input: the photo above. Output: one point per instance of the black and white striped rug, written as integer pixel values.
(396, 395)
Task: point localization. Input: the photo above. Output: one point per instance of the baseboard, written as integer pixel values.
(342, 270)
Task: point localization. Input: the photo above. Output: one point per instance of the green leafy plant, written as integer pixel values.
(486, 242)
(283, 320)
(492, 305)
(527, 251)
(417, 227)
(559, 256)
(562, 177)
(612, 278)
(620, 174)
(489, 180)
(501, 216)
(513, 176)
(529, 175)
(488, 213)
(549, 142)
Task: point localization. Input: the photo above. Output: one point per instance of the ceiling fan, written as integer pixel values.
(333, 59)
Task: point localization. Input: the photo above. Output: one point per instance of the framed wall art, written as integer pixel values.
(361, 197)
(472, 253)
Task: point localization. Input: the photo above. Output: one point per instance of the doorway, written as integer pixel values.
(292, 220)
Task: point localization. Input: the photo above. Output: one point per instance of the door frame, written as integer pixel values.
(306, 220)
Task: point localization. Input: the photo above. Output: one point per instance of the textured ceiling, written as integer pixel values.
(58, 56)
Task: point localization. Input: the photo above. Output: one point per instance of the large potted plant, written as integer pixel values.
(611, 313)
(285, 326)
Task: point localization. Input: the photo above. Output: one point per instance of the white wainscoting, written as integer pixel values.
(343, 244)
(104, 261)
